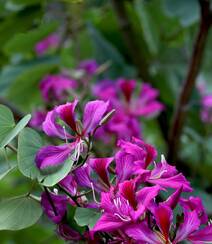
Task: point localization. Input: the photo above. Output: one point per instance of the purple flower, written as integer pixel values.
(56, 87)
(38, 118)
(132, 156)
(129, 108)
(89, 66)
(99, 166)
(161, 229)
(54, 206)
(67, 233)
(51, 41)
(206, 113)
(69, 184)
(51, 157)
(166, 176)
(195, 203)
(124, 206)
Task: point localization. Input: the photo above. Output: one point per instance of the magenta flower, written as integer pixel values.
(132, 156)
(166, 176)
(59, 202)
(51, 41)
(69, 184)
(195, 203)
(89, 66)
(162, 230)
(124, 206)
(38, 118)
(51, 157)
(206, 113)
(99, 166)
(56, 87)
(67, 233)
(129, 107)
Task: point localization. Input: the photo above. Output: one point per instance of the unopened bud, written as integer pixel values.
(107, 117)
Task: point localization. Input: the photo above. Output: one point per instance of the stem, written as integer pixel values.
(193, 70)
(12, 148)
(83, 194)
(67, 193)
(50, 201)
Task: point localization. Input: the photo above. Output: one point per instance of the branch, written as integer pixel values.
(193, 70)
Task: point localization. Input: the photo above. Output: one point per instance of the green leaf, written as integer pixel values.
(86, 216)
(26, 2)
(186, 11)
(14, 131)
(54, 178)
(19, 213)
(7, 122)
(25, 42)
(21, 74)
(150, 31)
(29, 142)
(105, 52)
(6, 167)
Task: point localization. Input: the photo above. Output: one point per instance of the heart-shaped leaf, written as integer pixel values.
(19, 213)
(29, 142)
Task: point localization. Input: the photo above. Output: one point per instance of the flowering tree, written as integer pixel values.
(83, 133)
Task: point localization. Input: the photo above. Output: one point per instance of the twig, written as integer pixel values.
(50, 201)
(67, 193)
(193, 70)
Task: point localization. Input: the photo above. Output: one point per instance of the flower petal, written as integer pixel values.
(93, 113)
(195, 203)
(172, 182)
(147, 194)
(163, 216)
(127, 87)
(127, 190)
(82, 176)
(51, 128)
(108, 222)
(49, 158)
(141, 233)
(190, 224)
(124, 166)
(59, 202)
(69, 184)
(100, 165)
(66, 113)
(173, 200)
(202, 236)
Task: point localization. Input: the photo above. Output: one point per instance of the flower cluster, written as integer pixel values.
(56, 89)
(130, 104)
(126, 190)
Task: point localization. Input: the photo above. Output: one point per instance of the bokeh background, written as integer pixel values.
(148, 40)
